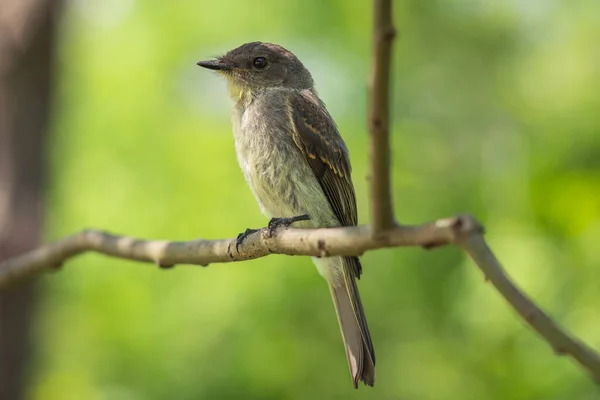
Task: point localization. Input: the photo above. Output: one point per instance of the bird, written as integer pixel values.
(298, 167)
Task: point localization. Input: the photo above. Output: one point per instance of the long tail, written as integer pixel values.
(353, 323)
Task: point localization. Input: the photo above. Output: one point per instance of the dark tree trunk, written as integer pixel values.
(27, 38)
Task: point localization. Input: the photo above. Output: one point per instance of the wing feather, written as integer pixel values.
(319, 140)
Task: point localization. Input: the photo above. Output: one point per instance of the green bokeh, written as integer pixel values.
(495, 108)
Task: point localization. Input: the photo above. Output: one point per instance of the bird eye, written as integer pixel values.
(259, 62)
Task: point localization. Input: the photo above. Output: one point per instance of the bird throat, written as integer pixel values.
(240, 94)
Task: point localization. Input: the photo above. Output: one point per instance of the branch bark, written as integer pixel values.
(463, 231)
(353, 240)
(382, 216)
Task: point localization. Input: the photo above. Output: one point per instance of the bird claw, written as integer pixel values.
(242, 236)
(275, 223)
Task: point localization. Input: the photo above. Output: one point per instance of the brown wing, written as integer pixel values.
(317, 137)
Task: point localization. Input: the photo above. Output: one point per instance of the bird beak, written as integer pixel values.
(216, 65)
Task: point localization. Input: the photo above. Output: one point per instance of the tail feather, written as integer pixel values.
(353, 324)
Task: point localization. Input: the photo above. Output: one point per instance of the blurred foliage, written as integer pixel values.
(495, 113)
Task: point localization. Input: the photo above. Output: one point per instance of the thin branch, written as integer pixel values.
(382, 214)
(463, 231)
(561, 341)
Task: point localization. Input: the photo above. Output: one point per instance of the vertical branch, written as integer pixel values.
(27, 39)
(379, 116)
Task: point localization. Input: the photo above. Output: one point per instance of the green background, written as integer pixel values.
(495, 112)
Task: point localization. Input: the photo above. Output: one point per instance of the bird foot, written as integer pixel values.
(275, 223)
(242, 236)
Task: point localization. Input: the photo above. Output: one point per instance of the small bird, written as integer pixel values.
(298, 168)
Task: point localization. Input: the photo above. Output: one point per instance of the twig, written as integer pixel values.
(382, 216)
(561, 341)
(463, 231)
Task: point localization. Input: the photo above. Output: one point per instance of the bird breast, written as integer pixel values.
(274, 168)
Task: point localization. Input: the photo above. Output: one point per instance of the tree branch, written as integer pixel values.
(382, 216)
(463, 231)
(353, 240)
(561, 341)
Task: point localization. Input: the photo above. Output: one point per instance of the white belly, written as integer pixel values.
(278, 175)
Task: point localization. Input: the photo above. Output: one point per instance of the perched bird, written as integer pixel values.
(298, 167)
